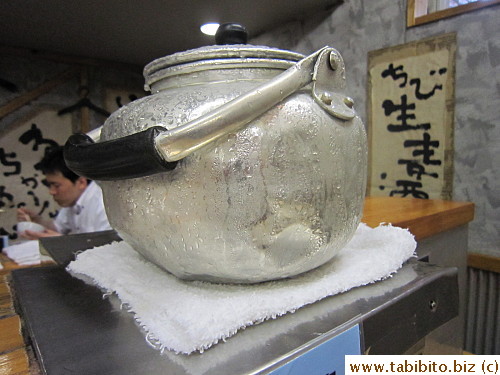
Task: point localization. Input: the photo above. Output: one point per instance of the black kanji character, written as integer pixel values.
(7, 163)
(417, 83)
(404, 108)
(393, 73)
(6, 196)
(29, 180)
(409, 188)
(36, 201)
(425, 151)
(413, 167)
(420, 96)
(35, 134)
(45, 205)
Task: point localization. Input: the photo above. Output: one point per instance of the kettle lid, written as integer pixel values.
(232, 51)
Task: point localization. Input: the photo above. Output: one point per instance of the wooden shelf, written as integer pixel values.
(484, 262)
(423, 217)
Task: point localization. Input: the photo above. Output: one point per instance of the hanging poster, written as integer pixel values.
(410, 119)
(22, 184)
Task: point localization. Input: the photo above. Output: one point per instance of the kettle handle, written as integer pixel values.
(157, 149)
(128, 157)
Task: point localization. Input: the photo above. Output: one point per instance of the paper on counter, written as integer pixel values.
(24, 253)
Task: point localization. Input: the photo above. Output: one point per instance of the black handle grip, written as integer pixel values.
(128, 157)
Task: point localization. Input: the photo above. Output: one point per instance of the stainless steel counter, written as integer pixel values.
(75, 331)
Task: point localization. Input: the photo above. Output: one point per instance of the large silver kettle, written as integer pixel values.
(246, 163)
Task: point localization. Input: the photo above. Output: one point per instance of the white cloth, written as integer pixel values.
(25, 253)
(188, 316)
(87, 215)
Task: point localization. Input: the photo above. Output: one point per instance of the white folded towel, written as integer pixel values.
(24, 253)
(188, 316)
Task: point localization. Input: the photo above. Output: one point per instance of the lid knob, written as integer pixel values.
(231, 33)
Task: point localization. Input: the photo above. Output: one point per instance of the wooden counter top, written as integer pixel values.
(422, 217)
(13, 354)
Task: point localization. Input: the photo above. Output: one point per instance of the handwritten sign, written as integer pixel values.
(22, 146)
(411, 108)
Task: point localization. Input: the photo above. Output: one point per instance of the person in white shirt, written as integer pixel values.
(81, 201)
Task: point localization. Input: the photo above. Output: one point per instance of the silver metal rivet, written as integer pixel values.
(326, 98)
(333, 61)
(349, 102)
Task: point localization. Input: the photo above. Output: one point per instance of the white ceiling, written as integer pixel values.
(137, 31)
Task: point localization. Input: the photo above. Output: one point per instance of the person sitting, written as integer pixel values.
(81, 201)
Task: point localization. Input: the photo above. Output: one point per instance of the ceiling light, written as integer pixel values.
(209, 28)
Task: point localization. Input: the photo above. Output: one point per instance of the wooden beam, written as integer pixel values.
(27, 97)
(65, 59)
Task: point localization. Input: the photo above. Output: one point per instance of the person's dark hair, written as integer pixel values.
(53, 162)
